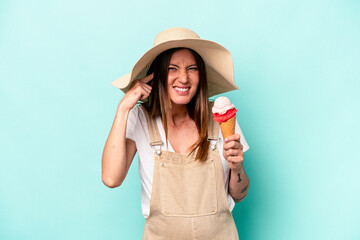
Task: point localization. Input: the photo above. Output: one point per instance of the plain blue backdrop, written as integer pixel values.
(296, 62)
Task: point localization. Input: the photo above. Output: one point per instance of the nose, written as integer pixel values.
(183, 76)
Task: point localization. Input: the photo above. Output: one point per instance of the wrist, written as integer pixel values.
(122, 109)
(238, 169)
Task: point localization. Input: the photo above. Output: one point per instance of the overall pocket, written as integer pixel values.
(188, 189)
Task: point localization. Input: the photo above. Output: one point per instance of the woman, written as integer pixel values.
(190, 176)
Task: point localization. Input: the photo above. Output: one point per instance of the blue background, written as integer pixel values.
(296, 62)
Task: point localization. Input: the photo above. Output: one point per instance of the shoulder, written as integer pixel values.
(242, 137)
(135, 110)
(136, 124)
(136, 113)
(136, 117)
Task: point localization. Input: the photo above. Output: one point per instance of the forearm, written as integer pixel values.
(114, 164)
(238, 184)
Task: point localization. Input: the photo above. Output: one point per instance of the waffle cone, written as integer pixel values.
(228, 127)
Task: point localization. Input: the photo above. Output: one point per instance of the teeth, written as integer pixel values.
(181, 89)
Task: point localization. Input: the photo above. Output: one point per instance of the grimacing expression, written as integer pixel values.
(183, 77)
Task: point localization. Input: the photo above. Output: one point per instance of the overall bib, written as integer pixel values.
(188, 198)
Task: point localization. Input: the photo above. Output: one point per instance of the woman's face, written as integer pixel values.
(183, 77)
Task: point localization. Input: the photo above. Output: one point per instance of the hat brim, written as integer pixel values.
(218, 62)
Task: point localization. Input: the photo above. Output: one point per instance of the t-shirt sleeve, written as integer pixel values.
(132, 122)
(242, 138)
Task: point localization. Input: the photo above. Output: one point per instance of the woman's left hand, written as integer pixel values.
(233, 152)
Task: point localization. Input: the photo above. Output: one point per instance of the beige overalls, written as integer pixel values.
(188, 198)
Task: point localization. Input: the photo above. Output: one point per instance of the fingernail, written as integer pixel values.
(226, 139)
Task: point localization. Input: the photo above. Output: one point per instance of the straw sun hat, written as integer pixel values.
(218, 60)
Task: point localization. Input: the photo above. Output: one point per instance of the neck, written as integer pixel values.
(177, 114)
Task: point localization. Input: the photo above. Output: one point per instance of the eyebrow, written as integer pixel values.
(187, 66)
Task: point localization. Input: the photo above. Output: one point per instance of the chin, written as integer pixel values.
(180, 101)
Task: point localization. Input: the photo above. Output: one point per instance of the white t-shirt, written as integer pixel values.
(137, 130)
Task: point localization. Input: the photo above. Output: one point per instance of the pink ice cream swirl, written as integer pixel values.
(223, 110)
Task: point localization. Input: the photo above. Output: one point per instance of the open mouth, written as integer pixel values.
(179, 89)
(182, 91)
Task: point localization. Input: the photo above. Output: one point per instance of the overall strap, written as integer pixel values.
(213, 129)
(154, 134)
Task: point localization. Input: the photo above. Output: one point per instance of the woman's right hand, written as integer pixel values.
(139, 90)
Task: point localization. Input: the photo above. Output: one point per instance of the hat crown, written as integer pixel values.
(176, 33)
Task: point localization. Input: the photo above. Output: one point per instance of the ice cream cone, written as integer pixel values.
(228, 127)
(225, 114)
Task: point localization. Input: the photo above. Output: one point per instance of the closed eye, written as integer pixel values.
(192, 69)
